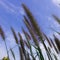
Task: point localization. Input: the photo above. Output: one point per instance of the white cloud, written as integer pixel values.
(56, 2)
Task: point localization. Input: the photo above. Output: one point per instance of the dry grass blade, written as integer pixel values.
(22, 45)
(57, 19)
(28, 57)
(27, 20)
(21, 42)
(26, 34)
(2, 33)
(21, 54)
(49, 49)
(12, 53)
(28, 38)
(54, 46)
(47, 40)
(32, 34)
(57, 41)
(55, 57)
(14, 34)
(27, 44)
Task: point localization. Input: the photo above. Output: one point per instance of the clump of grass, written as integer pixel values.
(35, 31)
(36, 35)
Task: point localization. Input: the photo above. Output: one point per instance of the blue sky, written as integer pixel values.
(11, 13)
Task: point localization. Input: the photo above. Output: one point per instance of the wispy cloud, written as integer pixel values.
(6, 6)
(9, 7)
(56, 2)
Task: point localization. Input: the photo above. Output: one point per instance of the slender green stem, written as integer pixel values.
(7, 50)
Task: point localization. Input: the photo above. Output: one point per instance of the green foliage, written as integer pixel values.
(5, 58)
